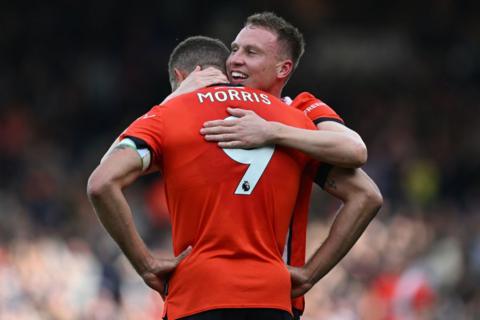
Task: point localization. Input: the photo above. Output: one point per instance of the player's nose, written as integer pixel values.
(236, 58)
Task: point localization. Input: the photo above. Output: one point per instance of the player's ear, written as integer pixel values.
(284, 68)
(179, 75)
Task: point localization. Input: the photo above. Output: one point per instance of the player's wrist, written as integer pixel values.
(273, 132)
(144, 263)
(309, 273)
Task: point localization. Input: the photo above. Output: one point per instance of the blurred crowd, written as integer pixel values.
(406, 76)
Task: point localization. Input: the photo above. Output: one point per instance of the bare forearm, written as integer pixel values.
(344, 233)
(336, 148)
(361, 201)
(115, 215)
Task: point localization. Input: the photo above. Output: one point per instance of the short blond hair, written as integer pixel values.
(289, 36)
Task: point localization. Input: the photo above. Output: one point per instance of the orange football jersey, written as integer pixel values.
(233, 206)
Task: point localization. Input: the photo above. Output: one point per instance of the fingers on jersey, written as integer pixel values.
(220, 123)
(237, 112)
(184, 254)
(219, 129)
(225, 137)
(236, 144)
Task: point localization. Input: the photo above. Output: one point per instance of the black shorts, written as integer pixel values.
(241, 314)
(296, 314)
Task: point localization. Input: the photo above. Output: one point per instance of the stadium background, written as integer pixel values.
(405, 75)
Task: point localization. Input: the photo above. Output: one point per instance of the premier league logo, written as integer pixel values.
(245, 185)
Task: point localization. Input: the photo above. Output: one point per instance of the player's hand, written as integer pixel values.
(247, 131)
(161, 269)
(300, 281)
(198, 79)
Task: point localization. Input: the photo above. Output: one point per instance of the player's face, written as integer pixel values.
(253, 61)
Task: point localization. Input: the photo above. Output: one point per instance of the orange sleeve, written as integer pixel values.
(315, 109)
(148, 128)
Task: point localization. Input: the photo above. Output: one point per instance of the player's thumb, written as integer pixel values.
(237, 112)
(184, 254)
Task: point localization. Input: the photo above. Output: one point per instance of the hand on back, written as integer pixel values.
(199, 79)
(247, 131)
(300, 278)
(161, 269)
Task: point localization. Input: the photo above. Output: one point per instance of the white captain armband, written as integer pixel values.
(140, 147)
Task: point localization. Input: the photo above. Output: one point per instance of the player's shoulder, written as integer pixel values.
(151, 114)
(314, 108)
(306, 99)
(156, 109)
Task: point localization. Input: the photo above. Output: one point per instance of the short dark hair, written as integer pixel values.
(197, 51)
(288, 35)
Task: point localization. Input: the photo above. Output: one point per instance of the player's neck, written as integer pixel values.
(276, 90)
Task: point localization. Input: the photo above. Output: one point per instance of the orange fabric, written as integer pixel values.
(314, 108)
(298, 229)
(317, 111)
(237, 240)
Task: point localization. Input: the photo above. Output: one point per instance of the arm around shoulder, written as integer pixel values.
(333, 143)
(353, 144)
(338, 146)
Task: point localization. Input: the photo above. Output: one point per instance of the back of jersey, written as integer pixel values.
(233, 206)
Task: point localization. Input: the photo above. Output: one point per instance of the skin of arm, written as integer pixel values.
(110, 150)
(118, 169)
(334, 147)
(334, 143)
(361, 201)
(198, 79)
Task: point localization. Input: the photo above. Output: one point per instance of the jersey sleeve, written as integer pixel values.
(324, 113)
(322, 174)
(149, 129)
(315, 109)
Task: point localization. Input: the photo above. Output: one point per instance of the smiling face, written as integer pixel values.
(255, 60)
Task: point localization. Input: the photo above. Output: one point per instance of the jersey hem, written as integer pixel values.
(236, 306)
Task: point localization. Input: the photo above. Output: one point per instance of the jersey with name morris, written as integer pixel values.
(233, 206)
